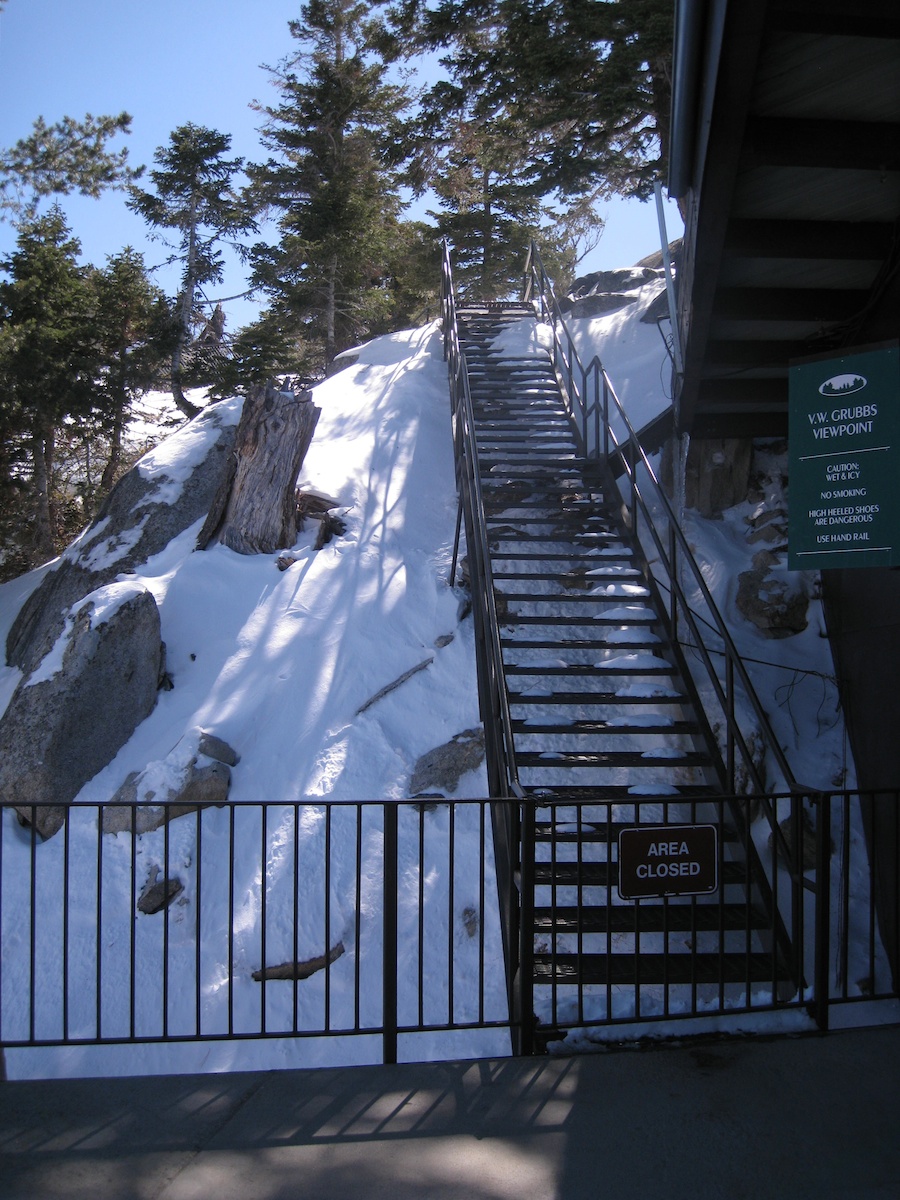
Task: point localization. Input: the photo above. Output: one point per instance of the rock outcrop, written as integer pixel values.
(771, 598)
(602, 292)
(70, 716)
(143, 513)
(440, 770)
(196, 774)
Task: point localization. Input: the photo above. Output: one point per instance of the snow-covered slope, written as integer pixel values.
(278, 663)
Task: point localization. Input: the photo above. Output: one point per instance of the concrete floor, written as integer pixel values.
(815, 1117)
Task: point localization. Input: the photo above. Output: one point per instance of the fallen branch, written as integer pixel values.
(301, 970)
(393, 686)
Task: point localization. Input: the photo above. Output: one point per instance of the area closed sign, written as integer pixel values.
(668, 860)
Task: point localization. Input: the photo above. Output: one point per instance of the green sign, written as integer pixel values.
(844, 461)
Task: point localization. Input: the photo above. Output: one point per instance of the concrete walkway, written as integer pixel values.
(804, 1117)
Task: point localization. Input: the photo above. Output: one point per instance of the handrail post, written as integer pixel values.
(389, 935)
(820, 1011)
(605, 416)
(585, 445)
(729, 723)
(524, 982)
(673, 591)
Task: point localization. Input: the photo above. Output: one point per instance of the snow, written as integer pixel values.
(172, 463)
(279, 665)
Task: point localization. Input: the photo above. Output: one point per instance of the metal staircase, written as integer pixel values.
(594, 725)
(598, 701)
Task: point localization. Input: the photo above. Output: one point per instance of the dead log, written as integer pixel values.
(255, 510)
(300, 970)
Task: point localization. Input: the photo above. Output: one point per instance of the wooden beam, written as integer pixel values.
(837, 18)
(835, 145)
(727, 88)
(762, 353)
(739, 425)
(788, 304)
(808, 239)
(724, 396)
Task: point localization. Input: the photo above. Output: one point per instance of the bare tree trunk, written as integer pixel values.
(186, 305)
(110, 470)
(41, 461)
(255, 511)
(330, 315)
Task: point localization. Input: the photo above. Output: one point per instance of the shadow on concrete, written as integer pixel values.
(812, 1117)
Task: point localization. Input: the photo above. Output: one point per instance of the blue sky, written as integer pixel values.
(168, 62)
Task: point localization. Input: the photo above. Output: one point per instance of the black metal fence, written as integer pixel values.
(380, 922)
(374, 921)
(816, 943)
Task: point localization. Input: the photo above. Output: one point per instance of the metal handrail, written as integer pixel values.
(494, 700)
(592, 403)
(503, 780)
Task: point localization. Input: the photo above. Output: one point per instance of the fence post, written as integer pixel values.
(389, 936)
(605, 417)
(522, 1014)
(822, 804)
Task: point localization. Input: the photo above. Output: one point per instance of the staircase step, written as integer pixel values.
(575, 597)
(585, 540)
(688, 793)
(650, 642)
(608, 759)
(656, 968)
(599, 670)
(593, 699)
(582, 727)
(606, 874)
(600, 619)
(644, 917)
(577, 583)
(600, 833)
(596, 559)
(540, 495)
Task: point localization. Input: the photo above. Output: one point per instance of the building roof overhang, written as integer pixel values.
(785, 157)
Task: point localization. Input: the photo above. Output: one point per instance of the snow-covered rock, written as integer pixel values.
(69, 717)
(165, 493)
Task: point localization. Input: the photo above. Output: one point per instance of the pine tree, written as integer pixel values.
(483, 160)
(331, 180)
(47, 359)
(263, 349)
(490, 209)
(195, 196)
(56, 160)
(589, 78)
(135, 331)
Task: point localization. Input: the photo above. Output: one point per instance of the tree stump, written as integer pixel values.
(255, 510)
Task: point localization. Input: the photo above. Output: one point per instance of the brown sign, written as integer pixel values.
(668, 860)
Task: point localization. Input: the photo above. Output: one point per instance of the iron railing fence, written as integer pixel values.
(753, 758)
(676, 958)
(379, 921)
(255, 921)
